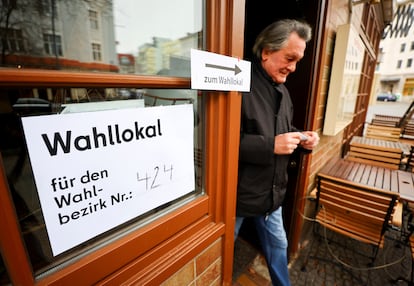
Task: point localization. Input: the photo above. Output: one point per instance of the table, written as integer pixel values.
(361, 200)
(377, 152)
(381, 145)
(379, 178)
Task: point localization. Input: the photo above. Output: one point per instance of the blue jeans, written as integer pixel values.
(272, 236)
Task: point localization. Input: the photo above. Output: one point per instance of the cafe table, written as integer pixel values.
(378, 152)
(380, 178)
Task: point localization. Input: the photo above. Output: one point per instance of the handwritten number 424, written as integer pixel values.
(154, 178)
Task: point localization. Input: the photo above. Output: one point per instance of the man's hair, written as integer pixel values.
(275, 36)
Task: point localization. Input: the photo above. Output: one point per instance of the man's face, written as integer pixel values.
(279, 64)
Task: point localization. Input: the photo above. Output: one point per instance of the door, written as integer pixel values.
(259, 14)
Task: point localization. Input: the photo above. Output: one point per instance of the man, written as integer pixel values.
(268, 138)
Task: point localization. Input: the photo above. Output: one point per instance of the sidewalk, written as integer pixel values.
(330, 260)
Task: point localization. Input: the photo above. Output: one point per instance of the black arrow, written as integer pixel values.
(236, 69)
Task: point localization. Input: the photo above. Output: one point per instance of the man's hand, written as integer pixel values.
(312, 141)
(286, 143)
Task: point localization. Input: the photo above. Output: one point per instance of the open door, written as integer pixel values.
(259, 14)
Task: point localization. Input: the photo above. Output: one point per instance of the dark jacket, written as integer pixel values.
(267, 110)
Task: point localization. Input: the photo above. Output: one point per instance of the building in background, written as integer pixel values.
(126, 63)
(163, 55)
(395, 70)
(43, 34)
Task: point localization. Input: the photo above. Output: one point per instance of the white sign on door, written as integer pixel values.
(96, 170)
(210, 71)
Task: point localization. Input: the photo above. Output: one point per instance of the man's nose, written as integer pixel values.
(291, 67)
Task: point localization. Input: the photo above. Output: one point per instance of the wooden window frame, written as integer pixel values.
(145, 254)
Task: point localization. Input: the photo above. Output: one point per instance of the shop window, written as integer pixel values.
(133, 31)
(159, 40)
(17, 104)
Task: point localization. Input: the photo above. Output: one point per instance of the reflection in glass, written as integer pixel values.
(345, 77)
(158, 34)
(121, 36)
(17, 103)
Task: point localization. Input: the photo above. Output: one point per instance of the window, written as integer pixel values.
(52, 45)
(399, 63)
(47, 7)
(412, 46)
(12, 39)
(96, 52)
(409, 63)
(169, 60)
(402, 49)
(93, 19)
(22, 182)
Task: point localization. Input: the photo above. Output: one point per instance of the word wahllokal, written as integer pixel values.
(96, 139)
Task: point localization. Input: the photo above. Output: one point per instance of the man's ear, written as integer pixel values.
(265, 54)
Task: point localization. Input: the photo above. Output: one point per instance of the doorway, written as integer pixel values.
(258, 15)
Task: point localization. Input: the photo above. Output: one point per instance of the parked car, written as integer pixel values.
(386, 97)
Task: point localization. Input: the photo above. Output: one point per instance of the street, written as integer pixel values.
(397, 108)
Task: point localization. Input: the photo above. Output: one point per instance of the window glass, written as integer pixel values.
(96, 51)
(53, 45)
(93, 18)
(16, 104)
(123, 36)
(156, 35)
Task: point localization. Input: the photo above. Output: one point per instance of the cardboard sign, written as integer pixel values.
(210, 71)
(96, 170)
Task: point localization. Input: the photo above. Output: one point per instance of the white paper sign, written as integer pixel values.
(210, 71)
(97, 170)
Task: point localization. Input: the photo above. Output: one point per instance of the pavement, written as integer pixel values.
(397, 108)
(327, 258)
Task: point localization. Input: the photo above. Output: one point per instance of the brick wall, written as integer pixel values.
(329, 146)
(204, 269)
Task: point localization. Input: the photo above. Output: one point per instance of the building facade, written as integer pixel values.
(179, 232)
(395, 67)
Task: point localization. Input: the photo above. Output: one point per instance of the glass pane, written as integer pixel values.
(16, 104)
(121, 36)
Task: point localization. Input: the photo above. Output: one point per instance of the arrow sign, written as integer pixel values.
(210, 71)
(236, 69)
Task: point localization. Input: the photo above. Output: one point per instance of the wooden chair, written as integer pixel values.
(410, 161)
(385, 120)
(383, 132)
(375, 152)
(361, 213)
(405, 122)
(409, 128)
